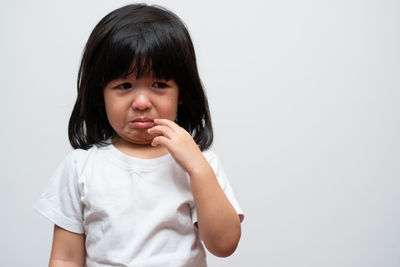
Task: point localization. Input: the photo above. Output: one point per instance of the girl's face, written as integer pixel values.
(132, 104)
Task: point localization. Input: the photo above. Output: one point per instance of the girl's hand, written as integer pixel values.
(179, 144)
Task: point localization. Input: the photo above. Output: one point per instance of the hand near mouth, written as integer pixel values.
(179, 144)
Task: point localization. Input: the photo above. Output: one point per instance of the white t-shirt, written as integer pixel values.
(134, 212)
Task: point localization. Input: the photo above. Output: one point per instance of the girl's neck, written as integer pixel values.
(146, 151)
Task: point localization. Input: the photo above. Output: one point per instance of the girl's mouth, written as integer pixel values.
(142, 123)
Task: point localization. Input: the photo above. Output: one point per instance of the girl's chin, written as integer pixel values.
(142, 141)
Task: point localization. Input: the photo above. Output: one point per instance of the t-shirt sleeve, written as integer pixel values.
(60, 202)
(223, 182)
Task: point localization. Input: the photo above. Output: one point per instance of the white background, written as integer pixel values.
(304, 98)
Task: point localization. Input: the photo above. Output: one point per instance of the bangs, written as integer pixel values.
(146, 52)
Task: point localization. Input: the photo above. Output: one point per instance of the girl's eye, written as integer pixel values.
(160, 85)
(124, 86)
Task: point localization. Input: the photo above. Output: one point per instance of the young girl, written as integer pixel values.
(140, 188)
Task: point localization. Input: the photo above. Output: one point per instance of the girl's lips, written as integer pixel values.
(142, 124)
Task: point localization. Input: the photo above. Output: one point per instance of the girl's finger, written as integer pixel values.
(169, 123)
(161, 129)
(160, 140)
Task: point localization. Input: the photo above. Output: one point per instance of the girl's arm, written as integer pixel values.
(218, 222)
(68, 249)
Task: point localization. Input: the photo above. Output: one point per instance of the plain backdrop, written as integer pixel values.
(304, 97)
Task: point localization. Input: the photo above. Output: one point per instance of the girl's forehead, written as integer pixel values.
(150, 74)
(146, 68)
(135, 75)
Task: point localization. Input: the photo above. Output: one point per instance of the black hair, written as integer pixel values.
(138, 39)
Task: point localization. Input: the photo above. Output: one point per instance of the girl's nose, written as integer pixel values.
(141, 102)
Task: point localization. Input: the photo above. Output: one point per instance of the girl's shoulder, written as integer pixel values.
(77, 158)
(209, 154)
(79, 154)
(211, 157)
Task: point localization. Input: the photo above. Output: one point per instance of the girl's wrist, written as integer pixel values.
(199, 168)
